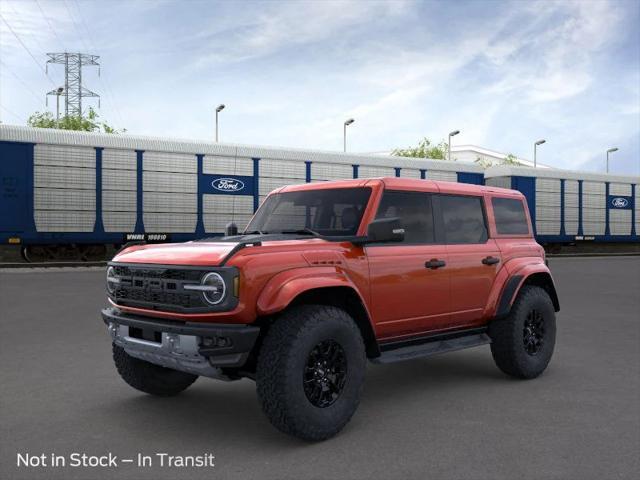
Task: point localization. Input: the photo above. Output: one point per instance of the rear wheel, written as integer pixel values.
(523, 342)
(310, 371)
(150, 378)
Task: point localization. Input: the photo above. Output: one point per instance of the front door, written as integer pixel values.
(409, 280)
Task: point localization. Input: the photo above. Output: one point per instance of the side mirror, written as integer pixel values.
(384, 230)
(231, 229)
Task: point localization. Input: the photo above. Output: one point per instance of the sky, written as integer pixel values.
(290, 73)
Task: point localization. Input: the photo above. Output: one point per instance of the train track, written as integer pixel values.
(51, 264)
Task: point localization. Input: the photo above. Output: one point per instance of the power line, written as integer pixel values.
(105, 82)
(44, 15)
(24, 84)
(10, 112)
(27, 49)
(75, 25)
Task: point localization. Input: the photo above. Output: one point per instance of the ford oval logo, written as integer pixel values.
(228, 184)
(619, 202)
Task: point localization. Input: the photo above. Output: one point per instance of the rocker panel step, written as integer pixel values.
(431, 347)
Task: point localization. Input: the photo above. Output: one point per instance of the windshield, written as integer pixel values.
(332, 212)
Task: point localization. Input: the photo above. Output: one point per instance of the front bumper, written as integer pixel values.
(197, 348)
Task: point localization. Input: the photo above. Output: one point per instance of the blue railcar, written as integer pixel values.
(66, 193)
(568, 206)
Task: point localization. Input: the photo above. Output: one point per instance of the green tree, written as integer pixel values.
(88, 123)
(510, 159)
(425, 149)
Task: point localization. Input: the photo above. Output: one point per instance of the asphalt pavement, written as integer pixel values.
(453, 416)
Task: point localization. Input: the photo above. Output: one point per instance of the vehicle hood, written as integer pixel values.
(191, 253)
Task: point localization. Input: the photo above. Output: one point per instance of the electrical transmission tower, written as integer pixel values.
(73, 91)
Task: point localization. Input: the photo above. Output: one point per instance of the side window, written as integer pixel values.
(414, 211)
(463, 219)
(510, 216)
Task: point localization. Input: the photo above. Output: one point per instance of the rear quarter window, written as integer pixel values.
(510, 216)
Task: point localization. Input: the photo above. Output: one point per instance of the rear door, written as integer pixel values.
(407, 296)
(474, 258)
(13, 186)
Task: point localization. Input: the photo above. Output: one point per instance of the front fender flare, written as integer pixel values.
(284, 287)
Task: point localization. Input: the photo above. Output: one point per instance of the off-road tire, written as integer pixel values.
(150, 378)
(507, 334)
(283, 362)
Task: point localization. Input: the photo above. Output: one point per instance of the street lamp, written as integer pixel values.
(611, 150)
(451, 134)
(344, 136)
(535, 147)
(218, 110)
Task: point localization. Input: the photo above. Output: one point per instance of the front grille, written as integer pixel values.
(159, 288)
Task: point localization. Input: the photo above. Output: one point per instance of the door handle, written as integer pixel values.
(490, 260)
(435, 263)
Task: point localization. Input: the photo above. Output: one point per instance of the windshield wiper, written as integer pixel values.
(303, 231)
(254, 232)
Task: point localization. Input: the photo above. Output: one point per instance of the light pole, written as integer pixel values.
(58, 93)
(219, 108)
(344, 135)
(611, 150)
(451, 134)
(535, 151)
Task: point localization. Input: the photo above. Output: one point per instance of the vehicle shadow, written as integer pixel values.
(212, 413)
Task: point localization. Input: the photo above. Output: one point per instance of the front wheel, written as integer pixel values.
(310, 371)
(523, 342)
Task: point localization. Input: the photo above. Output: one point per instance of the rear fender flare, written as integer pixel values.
(526, 274)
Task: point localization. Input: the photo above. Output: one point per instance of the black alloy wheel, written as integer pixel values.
(533, 332)
(325, 373)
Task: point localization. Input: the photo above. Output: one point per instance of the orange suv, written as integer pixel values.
(325, 277)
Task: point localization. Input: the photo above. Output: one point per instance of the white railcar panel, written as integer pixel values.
(368, 171)
(571, 186)
(571, 199)
(169, 162)
(547, 185)
(64, 156)
(64, 199)
(501, 182)
(64, 177)
(619, 222)
(119, 201)
(637, 209)
(119, 221)
(548, 213)
(620, 189)
(331, 171)
(170, 182)
(119, 159)
(593, 228)
(227, 165)
(64, 221)
(227, 204)
(216, 223)
(410, 173)
(594, 215)
(271, 168)
(547, 227)
(442, 175)
(594, 201)
(549, 199)
(169, 222)
(571, 220)
(591, 188)
(170, 202)
(119, 180)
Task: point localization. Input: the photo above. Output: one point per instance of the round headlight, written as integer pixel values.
(112, 280)
(214, 288)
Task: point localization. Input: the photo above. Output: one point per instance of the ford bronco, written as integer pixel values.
(325, 277)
